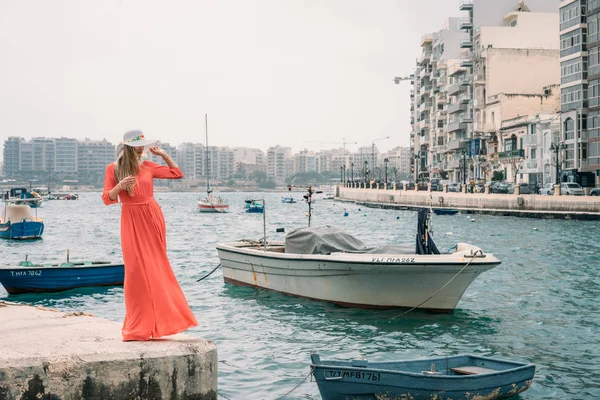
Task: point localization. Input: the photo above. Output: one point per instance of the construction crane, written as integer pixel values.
(399, 79)
(343, 142)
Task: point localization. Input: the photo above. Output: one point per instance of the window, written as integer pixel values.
(533, 155)
(569, 126)
(532, 129)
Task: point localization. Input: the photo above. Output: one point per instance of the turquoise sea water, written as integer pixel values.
(540, 305)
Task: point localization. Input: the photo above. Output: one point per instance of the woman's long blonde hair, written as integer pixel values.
(127, 164)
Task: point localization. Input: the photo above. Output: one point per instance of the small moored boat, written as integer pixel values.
(328, 264)
(288, 200)
(254, 206)
(440, 378)
(445, 211)
(19, 222)
(27, 277)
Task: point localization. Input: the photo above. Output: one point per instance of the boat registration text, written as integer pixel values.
(34, 272)
(365, 376)
(393, 260)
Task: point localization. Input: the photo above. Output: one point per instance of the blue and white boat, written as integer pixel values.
(23, 196)
(254, 206)
(18, 222)
(439, 378)
(27, 277)
(288, 200)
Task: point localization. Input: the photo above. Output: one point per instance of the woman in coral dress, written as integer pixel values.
(154, 303)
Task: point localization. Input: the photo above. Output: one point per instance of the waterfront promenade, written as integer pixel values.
(56, 355)
(516, 204)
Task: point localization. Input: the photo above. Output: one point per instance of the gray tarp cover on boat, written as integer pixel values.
(327, 240)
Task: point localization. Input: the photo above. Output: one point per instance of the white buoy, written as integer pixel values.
(472, 220)
(448, 233)
(535, 229)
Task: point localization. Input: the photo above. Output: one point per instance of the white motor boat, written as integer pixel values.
(329, 265)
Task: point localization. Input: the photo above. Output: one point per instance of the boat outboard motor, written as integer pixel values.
(425, 243)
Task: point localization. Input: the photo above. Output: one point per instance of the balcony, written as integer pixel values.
(456, 107)
(425, 90)
(466, 63)
(424, 124)
(425, 107)
(466, 44)
(427, 38)
(511, 154)
(425, 73)
(453, 89)
(465, 98)
(456, 126)
(478, 103)
(453, 145)
(466, 24)
(466, 5)
(530, 140)
(425, 57)
(468, 119)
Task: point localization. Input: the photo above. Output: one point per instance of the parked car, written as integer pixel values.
(595, 192)
(454, 187)
(547, 189)
(502, 187)
(571, 189)
(525, 188)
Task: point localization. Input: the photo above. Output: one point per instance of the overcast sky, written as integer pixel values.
(290, 72)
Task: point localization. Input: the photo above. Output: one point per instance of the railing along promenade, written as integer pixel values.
(513, 204)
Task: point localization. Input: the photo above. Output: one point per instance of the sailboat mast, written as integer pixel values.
(207, 163)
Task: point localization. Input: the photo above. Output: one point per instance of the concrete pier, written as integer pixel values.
(50, 355)
(530, 206)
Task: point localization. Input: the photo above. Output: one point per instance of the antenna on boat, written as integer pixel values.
(208, 191)
(264, 225)
(67, 255)
(308, 198)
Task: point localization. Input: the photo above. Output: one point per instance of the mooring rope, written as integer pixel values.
(207, 275)
(440, 289)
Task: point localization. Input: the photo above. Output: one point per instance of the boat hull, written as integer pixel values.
(496, 379)
(24, 230)
(213, 208)
(357, 280)
(18, 280)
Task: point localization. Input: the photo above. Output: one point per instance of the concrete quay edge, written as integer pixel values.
(527, 206)
(50, 355)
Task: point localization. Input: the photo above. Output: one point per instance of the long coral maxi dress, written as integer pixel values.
(154, 303)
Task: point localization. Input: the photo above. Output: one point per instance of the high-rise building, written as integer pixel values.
(11, 156)
(579, 149)
(280, 164)
(65, 156)
(93, 156)
(497, 62)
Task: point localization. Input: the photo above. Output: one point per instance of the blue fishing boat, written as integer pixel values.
(27, 277)
(18, 222)
(445, 211)
(23, 196)
(440, 378)
(288, 200)
(254, 206)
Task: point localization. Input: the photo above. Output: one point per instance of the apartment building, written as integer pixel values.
(280, 164)
(398, 160)
(580, 93)
(499, 60)
(93, 156)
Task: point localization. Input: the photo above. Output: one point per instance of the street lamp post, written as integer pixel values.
(385, 162)
(341, 173)
(365, 171)
(352, 172)
(464, 154)
(416, 161)
(373, 149)
(556, 148)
